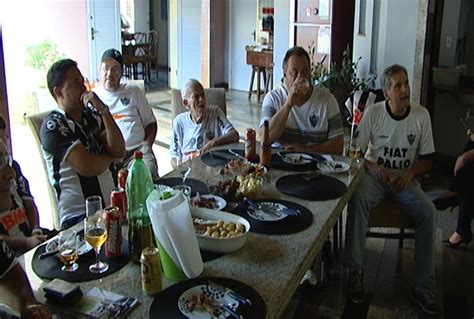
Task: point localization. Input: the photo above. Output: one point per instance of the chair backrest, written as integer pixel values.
(214, 96)
(34, 122)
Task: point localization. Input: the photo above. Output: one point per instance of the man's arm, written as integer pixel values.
(111, 136)
(150, 133)
(87, 164)
(16, 283)
(332, 146)
(231, 137)
(277, 122)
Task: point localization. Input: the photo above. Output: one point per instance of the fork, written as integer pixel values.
(231, 151)
(230, 292)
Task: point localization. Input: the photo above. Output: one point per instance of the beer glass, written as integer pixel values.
(93, 205)
(96, 234)
(67, 246)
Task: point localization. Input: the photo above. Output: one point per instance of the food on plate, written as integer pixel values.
(250, 185)
(256, 170)
(203, 301)
(205, 202)
(218, 229)
(226, 188)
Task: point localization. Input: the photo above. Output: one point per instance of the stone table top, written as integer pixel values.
(272, 264)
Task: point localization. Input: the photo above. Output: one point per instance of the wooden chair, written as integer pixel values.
(34, 122)
(153, 54)
(389, 215)
(214, 96)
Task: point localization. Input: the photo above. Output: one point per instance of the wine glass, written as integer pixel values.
(93, 205)
(96, 234)
(67, 245)
(354, 151)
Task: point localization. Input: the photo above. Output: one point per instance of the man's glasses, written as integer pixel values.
(113, 70)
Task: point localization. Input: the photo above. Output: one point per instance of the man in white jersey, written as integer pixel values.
(301, 116)
(199, 129)
(130, 110)
(397, 140)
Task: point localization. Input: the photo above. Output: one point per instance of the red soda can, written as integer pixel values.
(113, 244)
(122, 177)
(118, 198)
(250, 145)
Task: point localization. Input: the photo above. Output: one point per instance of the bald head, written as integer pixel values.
(189, 87)
(194, 99)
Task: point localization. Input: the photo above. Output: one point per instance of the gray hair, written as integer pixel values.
(188, 88)
(387, 74)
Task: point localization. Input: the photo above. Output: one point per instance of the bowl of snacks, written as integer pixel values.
(218, 231)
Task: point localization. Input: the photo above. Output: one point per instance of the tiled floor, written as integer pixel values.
(389, 269)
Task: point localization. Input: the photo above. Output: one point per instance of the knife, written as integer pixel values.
(222, 155)
(231, 311)
(48, 254)
(231, 293)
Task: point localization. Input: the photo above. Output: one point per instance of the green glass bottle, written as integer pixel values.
(139, 186)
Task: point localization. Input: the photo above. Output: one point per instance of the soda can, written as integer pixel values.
(118, 198)
(250, 145)
(113, 244)
(150, 270)
(122, 177)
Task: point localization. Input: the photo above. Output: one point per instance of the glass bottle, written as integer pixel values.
(139, 186)
(265, 147)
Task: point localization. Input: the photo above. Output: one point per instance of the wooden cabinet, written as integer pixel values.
(262, 59)
(326, 24)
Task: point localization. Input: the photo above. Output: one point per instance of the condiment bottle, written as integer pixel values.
(139, 186)
(265, 147)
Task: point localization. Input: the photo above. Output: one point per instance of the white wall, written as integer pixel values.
(188, 41)
(396, 38)
(281, 38)
(243, 14)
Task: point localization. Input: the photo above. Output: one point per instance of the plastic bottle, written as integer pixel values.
(139, 186)
(265, 147)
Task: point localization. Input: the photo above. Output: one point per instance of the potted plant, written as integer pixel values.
(40, 58)
(341, 80)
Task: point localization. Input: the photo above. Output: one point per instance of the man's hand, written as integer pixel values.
(298, 92)
(35, 240)
(293, 146)
(206, 147)
(402, 180)
(381, 173)
(92, 99)
(36, 311)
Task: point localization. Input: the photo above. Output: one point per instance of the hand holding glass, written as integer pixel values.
(96, 234)
(68, 250)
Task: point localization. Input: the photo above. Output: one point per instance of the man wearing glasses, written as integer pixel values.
(130, 110)
(301, 116)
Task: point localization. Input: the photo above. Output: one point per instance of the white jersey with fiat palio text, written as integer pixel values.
(395, 142)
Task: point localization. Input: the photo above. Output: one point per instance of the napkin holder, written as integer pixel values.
(173, 227)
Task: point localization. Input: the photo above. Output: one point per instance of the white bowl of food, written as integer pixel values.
(218, 231)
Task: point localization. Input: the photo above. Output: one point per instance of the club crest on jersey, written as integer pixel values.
(313, 119)
(125, 100)
(411, 138)
(51, 125)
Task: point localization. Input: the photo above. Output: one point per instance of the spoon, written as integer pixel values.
(185, 173)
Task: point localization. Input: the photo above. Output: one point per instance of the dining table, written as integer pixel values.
(272, 264)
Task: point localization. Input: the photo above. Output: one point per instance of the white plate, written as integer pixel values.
(219, 201)
(269, 212)
(215, 294)
(296, 158)
(83, 248)
(333, 167)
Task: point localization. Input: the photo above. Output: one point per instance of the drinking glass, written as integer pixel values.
(96, 234)
(354, 151)
(93, 205)
(67, 246)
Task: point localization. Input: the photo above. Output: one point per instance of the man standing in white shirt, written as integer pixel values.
(130, 110)
(301, 116)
